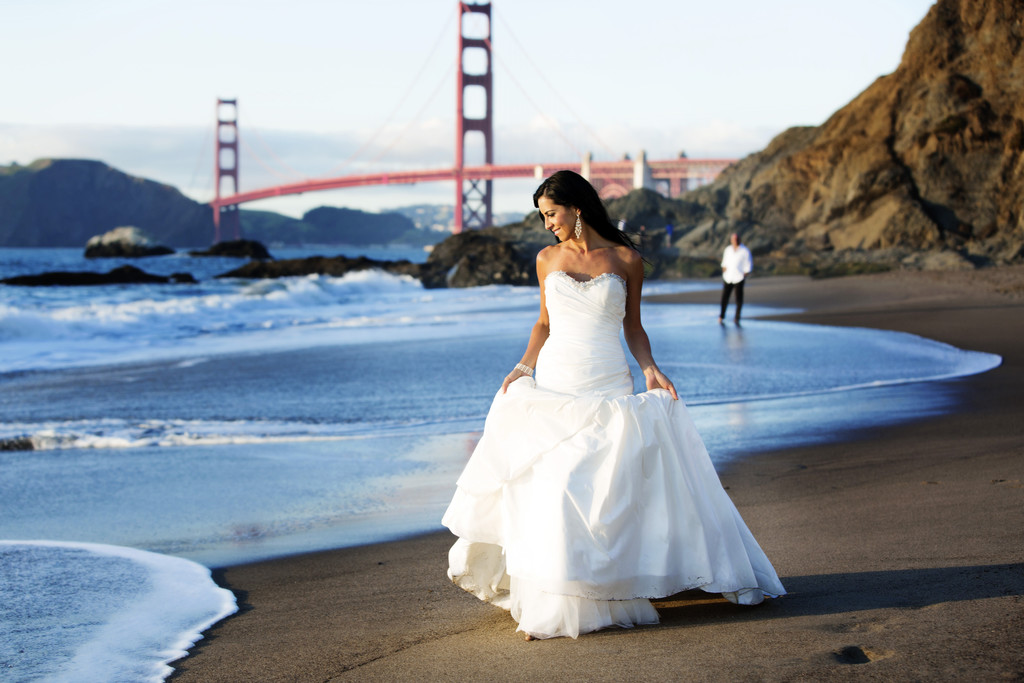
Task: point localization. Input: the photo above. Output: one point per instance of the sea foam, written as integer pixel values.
(53, 328)
(89, 612)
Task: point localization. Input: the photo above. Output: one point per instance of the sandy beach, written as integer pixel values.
(902, 550)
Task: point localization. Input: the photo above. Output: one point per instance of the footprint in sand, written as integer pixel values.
(855, 654)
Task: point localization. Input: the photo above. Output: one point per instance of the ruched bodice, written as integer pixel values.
(582, 310)
(583, 353)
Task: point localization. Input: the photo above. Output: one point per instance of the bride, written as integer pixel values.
(582, 499)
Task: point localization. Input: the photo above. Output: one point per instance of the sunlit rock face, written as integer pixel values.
(923, 168)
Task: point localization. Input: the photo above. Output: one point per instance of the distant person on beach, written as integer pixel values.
(583, 500)
(736, 265)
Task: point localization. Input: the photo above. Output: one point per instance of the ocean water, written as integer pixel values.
(90, 612)
(230, 420)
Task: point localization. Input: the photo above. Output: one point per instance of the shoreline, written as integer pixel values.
(901, 547)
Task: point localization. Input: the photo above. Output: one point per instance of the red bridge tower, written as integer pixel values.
(226, 166)
(473, 195)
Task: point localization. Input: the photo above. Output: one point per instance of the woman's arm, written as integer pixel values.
(541, 329)
(633, 330)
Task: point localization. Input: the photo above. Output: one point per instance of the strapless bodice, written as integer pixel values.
(583, 353)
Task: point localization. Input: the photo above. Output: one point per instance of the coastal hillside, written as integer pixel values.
(351, 226)
(64, 202)
(924, 168)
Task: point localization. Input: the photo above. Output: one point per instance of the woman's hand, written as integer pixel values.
(512, 377)
(656, 379)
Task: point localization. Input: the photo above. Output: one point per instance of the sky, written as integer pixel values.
(337, 87)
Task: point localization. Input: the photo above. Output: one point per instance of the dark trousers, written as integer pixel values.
(727, 292)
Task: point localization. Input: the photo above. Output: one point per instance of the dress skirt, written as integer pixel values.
(575, 510)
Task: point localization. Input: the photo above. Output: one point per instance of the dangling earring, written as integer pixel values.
(578, 228)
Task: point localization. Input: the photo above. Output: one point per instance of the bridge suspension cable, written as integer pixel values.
(414, 119)
(202, 159)
(554, 124)
(267, 167)
(290, 173)
(554, 90)
(408, 91)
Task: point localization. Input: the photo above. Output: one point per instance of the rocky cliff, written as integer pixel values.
(64, 202)
(923, 168)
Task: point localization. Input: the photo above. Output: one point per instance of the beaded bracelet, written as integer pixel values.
(525, 369)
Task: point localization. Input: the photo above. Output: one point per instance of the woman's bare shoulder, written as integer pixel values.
(629, 258)
(628, 253)
(548, 253)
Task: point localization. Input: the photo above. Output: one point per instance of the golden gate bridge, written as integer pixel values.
(473, 183)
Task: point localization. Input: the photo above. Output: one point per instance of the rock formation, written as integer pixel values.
(250, 249)
(17, 443)
(334, 266)
(124, 242)
(923, 168)
(125, 275)
(490, 256)
(480, 257)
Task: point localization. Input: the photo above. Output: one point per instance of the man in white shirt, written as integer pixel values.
(736, 265)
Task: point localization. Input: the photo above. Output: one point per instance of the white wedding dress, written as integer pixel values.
(583, 500)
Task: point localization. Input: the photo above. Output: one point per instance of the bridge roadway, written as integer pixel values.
(610, 173)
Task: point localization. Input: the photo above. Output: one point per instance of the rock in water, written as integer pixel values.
(250, 249)
(124, 242)
(16, 443)
(335, 266)
(125, 275)
(490, 256)
(479, 257)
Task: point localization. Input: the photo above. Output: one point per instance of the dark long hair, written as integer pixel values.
(567, 188)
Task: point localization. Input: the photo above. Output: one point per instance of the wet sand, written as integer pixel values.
(902, 549)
